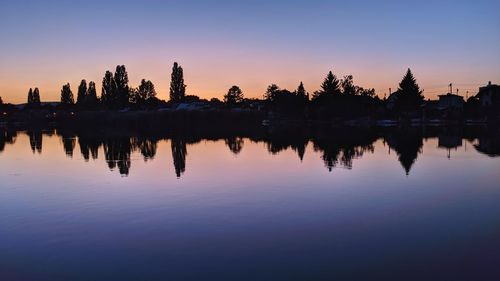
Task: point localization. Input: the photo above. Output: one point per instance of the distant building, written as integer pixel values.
(489, 95)
(392, 99)
(451, 101)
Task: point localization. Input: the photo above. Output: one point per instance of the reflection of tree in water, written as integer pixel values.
(35, 140)
(117, 152)
(343, 154)
(408, 144)
(341, 148)
(179, 152)
(281, 140)
(146, 146)
(6, 137)
(235, 144)
(89, 146)
(69, 143)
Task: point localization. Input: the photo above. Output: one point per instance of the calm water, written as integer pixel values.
(381, 205)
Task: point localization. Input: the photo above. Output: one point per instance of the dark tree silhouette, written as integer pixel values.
(122, 88)
(329, 87)
(82, 92)
(348, 87)
(177, 86)
(67, 95)
(36, 97)
(179, 152)
(409, 95)
(365, 92)
(233, 96)
(301, 91)
(146, 91)
(271, 92)
(30, 96)
(91, 97)
(1, 101)
(108, 89)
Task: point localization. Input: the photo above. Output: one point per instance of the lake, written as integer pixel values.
(350, 204)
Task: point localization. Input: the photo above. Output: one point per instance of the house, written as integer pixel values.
(489, 95)
(391, 100)
(451, 102)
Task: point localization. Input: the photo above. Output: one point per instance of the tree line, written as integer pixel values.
(336, 97)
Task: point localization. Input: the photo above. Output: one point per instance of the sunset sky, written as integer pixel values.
(248, 43)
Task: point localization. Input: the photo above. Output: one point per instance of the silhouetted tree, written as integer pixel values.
(329, 87)
(67, 95)
(365, 92)
(108, 89)
(144, 92)
(91, 97)
(177, 86)
(36, 97)
(1, 101)
(82, 92)
(30, 96)
(347, 84)
(234, 95)
(122, 89)
(271, 92)
(301, 91)
(409, 95)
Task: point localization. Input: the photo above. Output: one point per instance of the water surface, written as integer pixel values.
(371, 205)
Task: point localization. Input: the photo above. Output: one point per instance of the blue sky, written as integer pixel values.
(248, 43)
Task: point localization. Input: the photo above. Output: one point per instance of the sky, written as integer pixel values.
(251, 44)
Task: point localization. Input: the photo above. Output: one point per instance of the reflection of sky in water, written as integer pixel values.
(251, 215)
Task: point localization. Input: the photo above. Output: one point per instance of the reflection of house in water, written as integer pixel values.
(489, 146)
(6, 137)
(449, 142)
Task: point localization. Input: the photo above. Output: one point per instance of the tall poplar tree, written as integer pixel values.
(36, 97)
(30, 96)
(82, 92)
(67, 95)
(177, 86)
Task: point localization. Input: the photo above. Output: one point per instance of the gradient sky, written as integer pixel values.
(248, 43)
